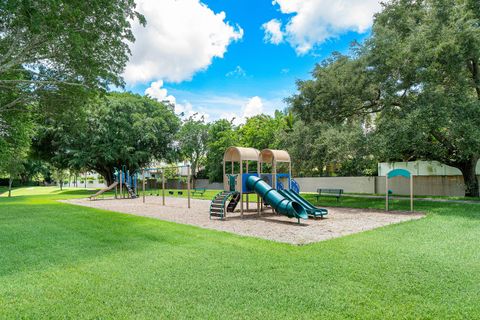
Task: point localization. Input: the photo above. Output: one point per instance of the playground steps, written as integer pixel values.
(131, 192)
(217, 206)
(233, 203)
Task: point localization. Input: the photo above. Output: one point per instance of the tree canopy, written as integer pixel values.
(416, 80)
(221, 135)
(52, 47)
(192, 141)
(120, 129)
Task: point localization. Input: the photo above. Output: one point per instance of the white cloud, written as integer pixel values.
(161, 94)
(214, 107)
(238, 72)
(315, 21)
(185, 108)
(273, 31)
(253, 107)
(181, 38)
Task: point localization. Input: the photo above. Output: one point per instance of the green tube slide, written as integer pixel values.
(310, 208)
(271, 197)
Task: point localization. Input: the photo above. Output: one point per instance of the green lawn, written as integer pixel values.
(64, 261)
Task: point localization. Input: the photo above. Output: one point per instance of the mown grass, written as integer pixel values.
(64, 261)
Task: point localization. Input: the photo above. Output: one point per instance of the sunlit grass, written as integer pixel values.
(64, 261)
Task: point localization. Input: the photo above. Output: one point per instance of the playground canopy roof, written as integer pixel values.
(238, 154)
(269, 155)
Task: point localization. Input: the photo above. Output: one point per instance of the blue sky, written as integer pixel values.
(243, 70)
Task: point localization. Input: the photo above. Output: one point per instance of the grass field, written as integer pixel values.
(64, 261)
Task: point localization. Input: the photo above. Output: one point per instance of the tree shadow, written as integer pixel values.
(468, 211)
(38, 237)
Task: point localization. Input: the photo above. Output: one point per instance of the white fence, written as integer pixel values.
(423, 185)
(348, 184)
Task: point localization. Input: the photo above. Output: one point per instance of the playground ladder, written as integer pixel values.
(217, 206)
(233, 203)
(131, 192)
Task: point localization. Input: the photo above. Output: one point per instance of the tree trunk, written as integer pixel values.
(193, 168)
(468, 169)
(10, 182)
(107, 175)
(108, 178)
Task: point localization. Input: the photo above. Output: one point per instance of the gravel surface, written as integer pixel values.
(338, 223)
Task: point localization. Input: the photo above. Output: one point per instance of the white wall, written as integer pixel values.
(203, 183)
(348, 184)
(421, 168)
(423, 185)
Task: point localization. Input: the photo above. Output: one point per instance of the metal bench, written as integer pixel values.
(200, 191)
(329, 192)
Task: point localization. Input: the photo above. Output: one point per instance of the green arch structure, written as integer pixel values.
(398, 173)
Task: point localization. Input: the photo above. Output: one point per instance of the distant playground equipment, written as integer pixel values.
(156, 176)
(398, 173)
(125, 185)
(252, 171)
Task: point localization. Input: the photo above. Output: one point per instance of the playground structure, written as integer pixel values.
(398, 173)
(265, 181)
(266, 174)
(125, 185)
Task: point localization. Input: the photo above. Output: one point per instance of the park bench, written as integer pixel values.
(200, 191)
(329, 192)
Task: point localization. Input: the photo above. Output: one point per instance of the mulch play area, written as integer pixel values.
(338, 223)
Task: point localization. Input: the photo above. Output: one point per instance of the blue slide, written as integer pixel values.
(309, 208)
(276, 200)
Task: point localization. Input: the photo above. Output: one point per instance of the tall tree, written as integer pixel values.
(120, 129)
(323, 149)
(48, 47)
(221, 135)
(192, 140)
(308, 158)
(418, 76)
(261, 131)
(16, 129)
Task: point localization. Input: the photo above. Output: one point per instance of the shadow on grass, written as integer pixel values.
(464, 210)
(38, 237)
(80, 192)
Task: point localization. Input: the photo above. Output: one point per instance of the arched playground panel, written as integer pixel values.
(398, 173)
